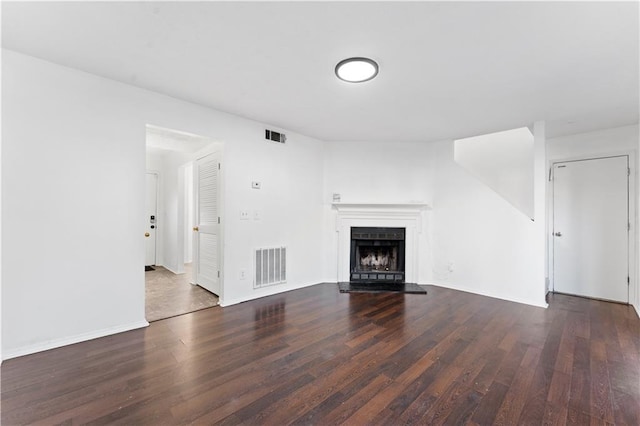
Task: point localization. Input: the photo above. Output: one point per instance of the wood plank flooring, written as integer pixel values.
(315, 356)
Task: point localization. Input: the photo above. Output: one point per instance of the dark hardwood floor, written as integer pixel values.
(316, 356)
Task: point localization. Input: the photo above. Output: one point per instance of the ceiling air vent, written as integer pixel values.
(275, 136)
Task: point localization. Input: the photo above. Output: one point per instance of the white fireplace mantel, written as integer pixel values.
(392, 215)
(381, 206)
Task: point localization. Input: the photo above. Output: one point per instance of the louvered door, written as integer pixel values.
(207, 228)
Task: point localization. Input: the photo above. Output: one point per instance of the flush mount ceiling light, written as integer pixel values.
(356, 70)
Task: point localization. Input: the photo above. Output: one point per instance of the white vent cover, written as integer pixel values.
(270, 266)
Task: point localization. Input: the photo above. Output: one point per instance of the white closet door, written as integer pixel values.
(590, 221)
(207, 223)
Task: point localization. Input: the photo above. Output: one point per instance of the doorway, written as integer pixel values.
(174, 287)
(591, 226)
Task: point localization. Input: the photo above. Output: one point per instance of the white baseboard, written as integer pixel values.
(56, 343)
(172, 270)
(493, 296)
(473, 291)
(276, 290)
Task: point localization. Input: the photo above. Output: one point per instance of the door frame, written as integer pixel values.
(214, 148)
(632, 242)
(182, 230)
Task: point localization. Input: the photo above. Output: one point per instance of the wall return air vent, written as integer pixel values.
(270, 266)
(275, 136)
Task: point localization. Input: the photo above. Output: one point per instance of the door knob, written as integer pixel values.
(558, 234)
(195, 228)
(146, 234)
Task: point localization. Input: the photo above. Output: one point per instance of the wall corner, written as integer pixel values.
(540, 209)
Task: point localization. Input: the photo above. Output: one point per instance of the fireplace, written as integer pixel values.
(377, 254)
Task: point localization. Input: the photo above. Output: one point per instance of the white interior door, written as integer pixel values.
(590, 228)
(206, 238)
(151, 215)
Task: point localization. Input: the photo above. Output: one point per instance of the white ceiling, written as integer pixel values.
(447, 69)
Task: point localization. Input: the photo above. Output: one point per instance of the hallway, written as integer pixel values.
(168, 294)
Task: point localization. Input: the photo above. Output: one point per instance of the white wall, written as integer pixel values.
(393, 172)
(1, 358)
(379, 172)
(482, 243)
(73, 169)
(606, 142)
(188, 213)
(73, 176)
(154, 160)
(504, 162)
(288, 203)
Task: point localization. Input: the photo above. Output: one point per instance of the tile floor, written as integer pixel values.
(168, 294)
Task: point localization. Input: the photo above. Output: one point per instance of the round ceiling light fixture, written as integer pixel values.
(357, 70)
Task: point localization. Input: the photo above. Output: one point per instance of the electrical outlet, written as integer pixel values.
(257, 215)
(244, 214)
(255, 185)
(243, 274)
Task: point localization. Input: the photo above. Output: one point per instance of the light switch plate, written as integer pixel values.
(244, 214)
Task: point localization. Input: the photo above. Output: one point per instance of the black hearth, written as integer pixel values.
(377, 254)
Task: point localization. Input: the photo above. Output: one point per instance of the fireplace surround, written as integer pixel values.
(410, 216)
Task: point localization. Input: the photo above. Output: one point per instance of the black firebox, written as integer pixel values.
(377, 254)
